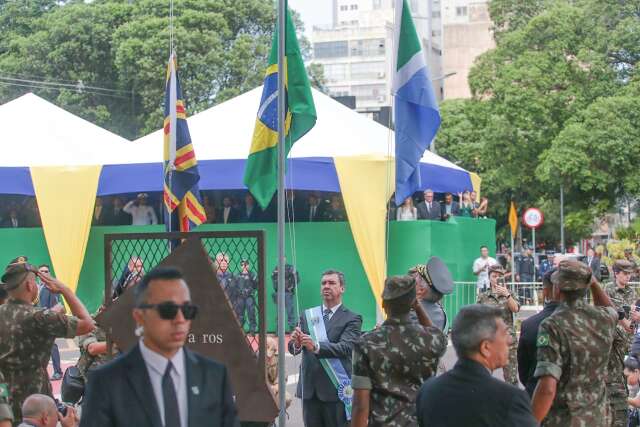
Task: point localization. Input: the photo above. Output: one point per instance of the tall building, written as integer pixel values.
(356, 51)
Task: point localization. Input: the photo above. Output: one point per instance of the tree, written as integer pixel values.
(106, 60)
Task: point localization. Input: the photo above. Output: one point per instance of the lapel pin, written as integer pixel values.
(195, 390)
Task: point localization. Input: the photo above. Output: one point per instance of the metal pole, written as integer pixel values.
(513, 266)
(533, 241)
(282, 375)
(562, 249)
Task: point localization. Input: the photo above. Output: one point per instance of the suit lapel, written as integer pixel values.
(335, 319)
(139, 380)
(195, 386)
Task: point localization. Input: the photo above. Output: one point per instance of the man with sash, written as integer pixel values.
(325, 337)
(391, 362)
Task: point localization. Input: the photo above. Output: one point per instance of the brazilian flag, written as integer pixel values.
(261, 171)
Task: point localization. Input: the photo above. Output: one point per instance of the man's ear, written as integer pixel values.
(485, 350)
(138, 316)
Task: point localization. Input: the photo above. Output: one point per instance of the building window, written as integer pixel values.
(368, 70)
(461, 11)
(335, 72)
(354, 7)
(331, 49)
(377, 4)
(436, 33)
(344, 7)
(354, 22)
(370, 92)
(368, 47)
(435, 14)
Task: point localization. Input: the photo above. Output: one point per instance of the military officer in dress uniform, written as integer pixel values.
(498, 295)
(433, 281)
(573, 351)
(27, 332)
(391, 362)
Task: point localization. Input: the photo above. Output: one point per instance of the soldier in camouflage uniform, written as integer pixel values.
(245, 286)
(499, 296)
(93, 351)
(617, 391)
(27, 333)
(391, 362)
(624, 297)
(573, 352)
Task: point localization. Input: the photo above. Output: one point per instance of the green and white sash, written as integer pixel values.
(332, 366)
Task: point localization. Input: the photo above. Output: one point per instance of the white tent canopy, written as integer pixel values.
(35, 132)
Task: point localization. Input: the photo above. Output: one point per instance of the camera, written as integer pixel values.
(62, 408)
(624, 313)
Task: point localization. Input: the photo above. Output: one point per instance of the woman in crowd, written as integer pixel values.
(466, 205)
(407, 212)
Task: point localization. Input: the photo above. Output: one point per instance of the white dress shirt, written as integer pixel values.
(333, 310)
(141, 214)
(156, 365)
(225, 215)
(481, 268)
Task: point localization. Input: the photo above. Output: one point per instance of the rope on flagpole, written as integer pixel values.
(172, 45)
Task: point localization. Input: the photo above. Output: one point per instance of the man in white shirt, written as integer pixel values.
(481, 267)
(159, 383)
(141, 213)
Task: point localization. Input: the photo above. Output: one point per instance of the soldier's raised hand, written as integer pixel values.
(51, 283)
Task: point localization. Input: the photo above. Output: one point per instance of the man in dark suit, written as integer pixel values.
(47, 299)
(313, 211)
(468, 395)
(228, 214)
(159, 382)
(250, 212)
(593, 262)
(527, 348)
(13, 219)
(429, 208)
(449, 208)
(115, 215)
(321, 403)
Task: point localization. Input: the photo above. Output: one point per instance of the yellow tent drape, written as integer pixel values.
(66, 197)
(367, 183)
(475, 182)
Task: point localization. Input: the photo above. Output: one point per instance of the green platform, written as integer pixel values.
(319, 246)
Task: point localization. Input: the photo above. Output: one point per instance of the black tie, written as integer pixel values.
(171, 411)
(326, 314)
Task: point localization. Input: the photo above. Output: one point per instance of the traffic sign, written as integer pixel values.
(533, 218)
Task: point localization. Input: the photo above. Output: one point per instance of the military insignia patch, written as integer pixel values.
(543, 339)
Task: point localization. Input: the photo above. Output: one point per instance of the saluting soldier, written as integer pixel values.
(27, 332)
(391, 362)
(573, 351)
(623, 296)
(499, 296)
(245, 285)
(433, 282)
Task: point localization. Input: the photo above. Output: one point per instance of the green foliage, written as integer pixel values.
(553, 104)
(222, 46)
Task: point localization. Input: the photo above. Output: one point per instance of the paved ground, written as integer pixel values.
(69, 355)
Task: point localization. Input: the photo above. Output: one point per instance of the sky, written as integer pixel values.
(313, 12)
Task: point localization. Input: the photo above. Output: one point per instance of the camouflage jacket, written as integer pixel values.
(620, 296)
(489, 297)
(87, 361)
(393, 361)
(27, 334)
(573, 347)
(5, 404)
(616, 382)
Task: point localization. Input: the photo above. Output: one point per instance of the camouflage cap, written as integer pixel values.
(496, 268)
(628, 250)
(15, 274)
(19, 259)
(397, 286)
(571, 275)
(623, 265)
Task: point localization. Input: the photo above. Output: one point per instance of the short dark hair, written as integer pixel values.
(44, 265)
(340, 275)
(546, 279)
(3, 293)
(632, 363)
(158, 273)
(484, 247)
(474, 324)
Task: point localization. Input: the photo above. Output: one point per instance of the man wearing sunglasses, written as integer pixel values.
(159, 382)
(48, 299)
(27, 332)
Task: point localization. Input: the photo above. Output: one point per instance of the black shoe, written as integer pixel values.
(56, 377)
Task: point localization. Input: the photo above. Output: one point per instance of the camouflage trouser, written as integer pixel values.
(619, 417)
(510, 371)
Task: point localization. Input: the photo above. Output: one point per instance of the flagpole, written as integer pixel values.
(282, 375)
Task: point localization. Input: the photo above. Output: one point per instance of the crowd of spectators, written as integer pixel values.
(429, 207)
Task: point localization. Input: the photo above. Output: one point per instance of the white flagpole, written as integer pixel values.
(282, 375)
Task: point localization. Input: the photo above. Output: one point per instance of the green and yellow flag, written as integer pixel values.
(261, 170)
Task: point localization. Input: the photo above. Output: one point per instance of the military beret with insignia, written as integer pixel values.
(436, 274)
(571, 275)
(397, 286)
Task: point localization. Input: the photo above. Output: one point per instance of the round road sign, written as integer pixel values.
(533, 218)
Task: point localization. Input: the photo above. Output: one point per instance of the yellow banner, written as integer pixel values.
(66, 197)
(513, 219)
(367, 183)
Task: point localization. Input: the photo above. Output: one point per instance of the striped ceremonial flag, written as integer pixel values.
(261, 172)
(416, 113)
(183, 208)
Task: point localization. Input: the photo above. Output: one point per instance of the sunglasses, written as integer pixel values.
(169, 310)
